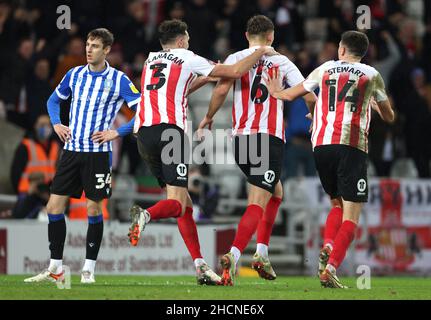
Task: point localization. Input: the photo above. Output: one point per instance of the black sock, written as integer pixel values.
(56, 235)
(94, 236)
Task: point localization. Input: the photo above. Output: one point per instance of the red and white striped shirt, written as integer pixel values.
(165, 82)
(254, 110)
(342, 114)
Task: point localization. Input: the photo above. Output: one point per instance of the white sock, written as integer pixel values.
(262, 249)
(236, 253)
(55, 266)
(89, 265)
(199, 261)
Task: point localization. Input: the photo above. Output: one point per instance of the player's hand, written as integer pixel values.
(270, 51)
(63, 132)
(104, 136)
(207, 121)
(273, 84)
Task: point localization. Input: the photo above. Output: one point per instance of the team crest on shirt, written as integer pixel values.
(108, 83)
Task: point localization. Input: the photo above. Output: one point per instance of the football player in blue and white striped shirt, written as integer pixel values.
(98, 92)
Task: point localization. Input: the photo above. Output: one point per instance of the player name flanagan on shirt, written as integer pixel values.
(168, 56)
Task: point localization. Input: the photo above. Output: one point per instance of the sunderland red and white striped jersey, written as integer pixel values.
(343, 110)
(254, 110)
(165, 81)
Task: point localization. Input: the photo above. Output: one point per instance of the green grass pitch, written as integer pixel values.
(185, 287)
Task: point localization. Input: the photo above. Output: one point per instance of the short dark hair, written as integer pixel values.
(259, 25)
(356, 42)
(169, 30)
(103, 34)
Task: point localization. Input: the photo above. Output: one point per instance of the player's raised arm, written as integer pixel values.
(307, 86)
(200, 82)
(217, 99)
(276, 90)
(62, 92)
(381, 102)
(294, 77)
(238, 69)
(304, 89)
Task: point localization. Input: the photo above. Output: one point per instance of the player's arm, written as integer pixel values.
(381, 103)
(275, 89)
(200, 82)
(384, 109)
(132, 96)
(236, 70)
(109, 135)
(218, 97)
(306, 87)
(310, 100)
(61, 93)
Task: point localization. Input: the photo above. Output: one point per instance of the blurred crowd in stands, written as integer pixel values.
(35, 54)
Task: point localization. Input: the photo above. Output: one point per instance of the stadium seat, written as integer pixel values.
(7, 151)
(316, 32)
(293, 192)
(124, 184)
(404, 168)
(371, 169)
(198, 104)
(228, 176)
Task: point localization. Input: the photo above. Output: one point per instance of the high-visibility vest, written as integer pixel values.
(78, 208)
(38, 161)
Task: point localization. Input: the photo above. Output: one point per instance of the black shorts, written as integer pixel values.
(260, 158)
(83, 171)
(343, 171)
(165, 149)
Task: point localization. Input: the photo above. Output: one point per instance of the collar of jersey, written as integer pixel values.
(100, 73)
(256, 47)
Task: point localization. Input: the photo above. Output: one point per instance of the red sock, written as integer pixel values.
(189, 232)
(333, 224)
(264, 229)
(163, 209)
(342, 242)
(247, 226)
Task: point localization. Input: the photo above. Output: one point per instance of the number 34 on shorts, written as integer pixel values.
(103, 180)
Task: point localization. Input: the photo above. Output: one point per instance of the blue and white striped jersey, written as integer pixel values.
(96, 99)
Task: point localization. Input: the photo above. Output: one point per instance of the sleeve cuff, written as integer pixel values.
(307, 87)
(133, 102)
(62, 97)
(209, 70)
